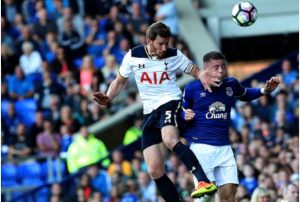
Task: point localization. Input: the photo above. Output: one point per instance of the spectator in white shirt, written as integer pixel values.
(31, 60)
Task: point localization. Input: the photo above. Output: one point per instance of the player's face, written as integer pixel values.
(159, 46)
(217, 65)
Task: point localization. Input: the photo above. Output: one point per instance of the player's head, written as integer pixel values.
(158, 36)
(215, 60)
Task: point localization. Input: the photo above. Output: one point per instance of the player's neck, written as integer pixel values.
(150, 53)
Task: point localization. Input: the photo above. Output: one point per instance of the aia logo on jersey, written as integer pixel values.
(154, 77)
(229, 91)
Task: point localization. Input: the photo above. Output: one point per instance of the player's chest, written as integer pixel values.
(223, 96)
(154, 71)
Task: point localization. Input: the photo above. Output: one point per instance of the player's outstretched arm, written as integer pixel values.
(271, 85)
(113, 90)
(208, 78)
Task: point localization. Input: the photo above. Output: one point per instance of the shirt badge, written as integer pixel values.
(229, 91)
(202, 94)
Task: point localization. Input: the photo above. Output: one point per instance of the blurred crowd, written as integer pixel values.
(56, 53)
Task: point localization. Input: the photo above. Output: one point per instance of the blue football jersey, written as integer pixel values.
(212, 119)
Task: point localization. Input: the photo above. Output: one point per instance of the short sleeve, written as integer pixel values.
(125, 69)
(184, 63)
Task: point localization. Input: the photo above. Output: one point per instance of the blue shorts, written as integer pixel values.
(165, 115)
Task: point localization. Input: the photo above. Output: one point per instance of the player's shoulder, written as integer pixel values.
(139, 52)
(230, 81)
(193, 84)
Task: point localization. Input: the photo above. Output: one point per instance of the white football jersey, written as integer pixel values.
(155, 78)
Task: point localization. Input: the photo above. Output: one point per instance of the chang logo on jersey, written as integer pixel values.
(154, 77)
(216, 110)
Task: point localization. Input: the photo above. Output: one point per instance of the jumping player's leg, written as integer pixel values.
(227, 192)
(156, 170)
(170, 137)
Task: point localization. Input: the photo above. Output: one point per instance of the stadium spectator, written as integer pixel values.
(19, 147)
(31, 60)
(288, 74)
(46, 89)
(35, 129)
(110, 70)
(10, 121)
(261, 194)
(43, 26)
(9, 9)
(291, 193)
(72, 19)
(26, 36)
(61, 64)
(85, 185)
(100, 180)
(66, 140)
(20, 86)
(85, 150)
(83, 115)
(48, 141)
(8, 61)
(86, 74)
(167, 13)
(249, 181)
(66, 118)
(71, 40)
(119, 164)
(95, 37)
(147, 187)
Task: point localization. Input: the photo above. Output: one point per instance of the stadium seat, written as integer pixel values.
(77, 62)
(26, 110)
(99, 62)
(8, 172)
(4, 107)
(29, 170)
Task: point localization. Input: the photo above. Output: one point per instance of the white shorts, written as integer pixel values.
(218, 163)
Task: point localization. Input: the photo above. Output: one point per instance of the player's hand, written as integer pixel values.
(271, 84)
(101, 98)
(210, 78)
(189, 114)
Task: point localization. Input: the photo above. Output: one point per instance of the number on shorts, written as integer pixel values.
(168, 116)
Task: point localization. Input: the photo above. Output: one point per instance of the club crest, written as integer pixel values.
(229, 91)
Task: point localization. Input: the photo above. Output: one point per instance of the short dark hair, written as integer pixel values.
(213, 55)
(158, 29)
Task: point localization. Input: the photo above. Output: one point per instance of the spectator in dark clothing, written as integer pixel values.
(10, 120)
(26, 36)
(97, 7)
(113, 17)
(9, 9)
(43, 26)
(8, 61)
(72, 41)
(66, 118)
(19, 147)
(46, 89)
(61, 64)
(35, 129)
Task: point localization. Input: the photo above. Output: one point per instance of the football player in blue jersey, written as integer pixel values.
(206, 123)
(154, 67)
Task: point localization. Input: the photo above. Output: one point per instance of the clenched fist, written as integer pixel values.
(101, 98)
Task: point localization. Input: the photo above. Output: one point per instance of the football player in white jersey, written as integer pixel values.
(154, 66)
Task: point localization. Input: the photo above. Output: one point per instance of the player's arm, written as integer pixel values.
(113, 90)
(254, 93)
(208, 78)
(186, 113)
